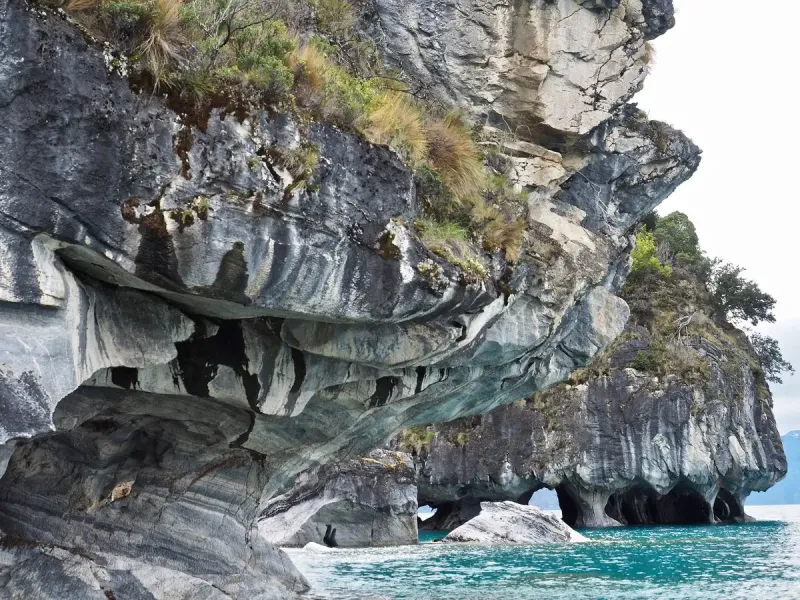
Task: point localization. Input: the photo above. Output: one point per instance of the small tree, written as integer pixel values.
(678, 244)
(737, 298)
(769, 355)
(645, 258)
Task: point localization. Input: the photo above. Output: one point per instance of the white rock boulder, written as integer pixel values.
(512, 523)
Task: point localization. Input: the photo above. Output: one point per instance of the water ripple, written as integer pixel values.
(758, 560)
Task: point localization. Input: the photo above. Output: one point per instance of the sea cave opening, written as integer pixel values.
(727, 507)
(642, 505)
(568, 505)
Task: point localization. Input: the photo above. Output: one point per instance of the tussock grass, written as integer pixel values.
(454, 154)
(243, 53)
(161, 45)
(398, 122)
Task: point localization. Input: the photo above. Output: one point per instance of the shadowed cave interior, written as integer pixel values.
(640, 505)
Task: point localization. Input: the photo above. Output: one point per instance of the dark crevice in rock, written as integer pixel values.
(199, 359)
(299, 362)
(125, 377)
(239, 442)
(383, 391)
(420, 379)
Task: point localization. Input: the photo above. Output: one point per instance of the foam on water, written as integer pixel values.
(758, 560)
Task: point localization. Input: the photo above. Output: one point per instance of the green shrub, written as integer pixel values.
(645, 259)
(416, 439)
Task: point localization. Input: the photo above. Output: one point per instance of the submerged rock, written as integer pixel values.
(512, 523)
(369, 501)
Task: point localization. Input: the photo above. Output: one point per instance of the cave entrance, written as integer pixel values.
(642, 505)
(727, 507)
(568, 505)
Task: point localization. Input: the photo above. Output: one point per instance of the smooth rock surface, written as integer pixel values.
(512, 523)
(543, 70)
(368, 501)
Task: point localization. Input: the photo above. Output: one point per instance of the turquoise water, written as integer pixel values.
(754, 561)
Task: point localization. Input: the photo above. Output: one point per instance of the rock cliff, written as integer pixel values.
(184, 329)
(368, 501)
(650, 433)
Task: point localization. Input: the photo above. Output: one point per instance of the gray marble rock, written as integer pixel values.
(544, 70)
(367, 501)
(163, 379)
(625, 447)
(511, 523)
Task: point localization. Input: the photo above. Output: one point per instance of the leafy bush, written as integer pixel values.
(770, 357)
(739, 299)
(678, 245)
(645, 259)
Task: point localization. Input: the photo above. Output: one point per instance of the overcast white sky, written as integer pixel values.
(727, 75)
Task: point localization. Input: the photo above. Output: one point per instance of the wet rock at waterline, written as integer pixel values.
(619, 445)
(512, 523)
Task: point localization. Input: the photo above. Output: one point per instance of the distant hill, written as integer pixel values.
(788, 490)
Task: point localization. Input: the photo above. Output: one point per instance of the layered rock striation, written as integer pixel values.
(650, 433)
(185, 327)
(368, 501)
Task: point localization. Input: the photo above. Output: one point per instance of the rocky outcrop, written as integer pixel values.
(619, 445)
(512, 523)
(544, 70)
(368, 501)
(185, 327)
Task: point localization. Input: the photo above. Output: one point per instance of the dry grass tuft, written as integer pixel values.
(397, 122)
(454, 154)
(161, 46)
(309, 66)
(73, 6)
(503, 232)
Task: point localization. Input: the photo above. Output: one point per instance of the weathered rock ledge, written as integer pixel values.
(161, 382)
(367, 501)
(619, 447)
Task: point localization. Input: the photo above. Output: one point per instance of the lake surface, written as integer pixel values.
(754, 561)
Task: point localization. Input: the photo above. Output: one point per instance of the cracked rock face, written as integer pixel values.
(544, 70)
(185, 328)
(621, 448)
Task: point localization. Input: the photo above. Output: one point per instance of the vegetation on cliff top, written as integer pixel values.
(678, 293)
(308, 57)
